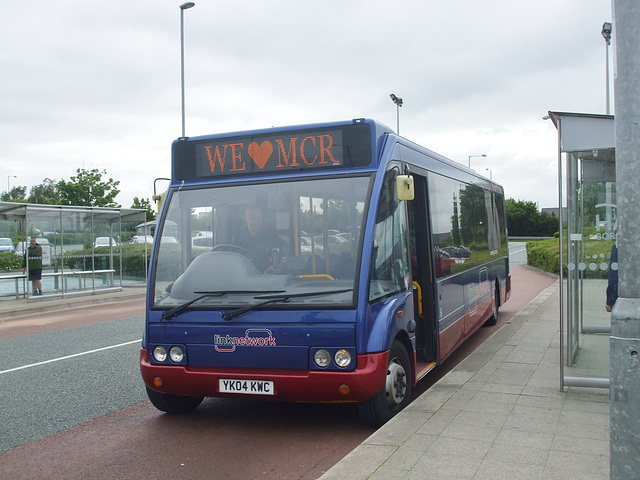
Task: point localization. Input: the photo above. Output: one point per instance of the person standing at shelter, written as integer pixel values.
(612, 285)
(34, 254)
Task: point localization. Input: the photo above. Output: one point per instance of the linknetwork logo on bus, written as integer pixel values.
(265, 154)
(253, 337)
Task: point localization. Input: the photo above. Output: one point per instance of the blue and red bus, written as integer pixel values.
(333, 262)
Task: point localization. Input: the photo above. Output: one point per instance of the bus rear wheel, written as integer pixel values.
(173, 403)
(493, 320)
(396, 393)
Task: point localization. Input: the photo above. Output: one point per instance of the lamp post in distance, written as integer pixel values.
(490, 173)
(8, 187)
(606, 33)
(183, 7)
(398, 102)
(483, 155)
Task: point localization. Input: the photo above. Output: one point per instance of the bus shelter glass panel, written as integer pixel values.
(44, 225)
(12, 233)
(105, 248)
(590, 242)
(136, 250)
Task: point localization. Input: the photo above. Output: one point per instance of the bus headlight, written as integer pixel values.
(160, 354)
(176, 354)
(322, 358)
(342, 358)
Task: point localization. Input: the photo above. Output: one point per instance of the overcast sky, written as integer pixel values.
(97, 84)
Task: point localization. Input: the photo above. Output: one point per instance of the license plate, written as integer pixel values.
(247, 387)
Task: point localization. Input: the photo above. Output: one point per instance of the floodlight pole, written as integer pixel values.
(183, 7)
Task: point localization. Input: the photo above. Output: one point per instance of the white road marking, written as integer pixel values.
(70, 356)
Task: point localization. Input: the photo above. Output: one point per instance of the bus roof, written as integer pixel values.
(320, 147)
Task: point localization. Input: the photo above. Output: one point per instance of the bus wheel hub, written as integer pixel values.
(396, 387)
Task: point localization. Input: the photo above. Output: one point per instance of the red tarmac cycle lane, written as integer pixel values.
(224, 438)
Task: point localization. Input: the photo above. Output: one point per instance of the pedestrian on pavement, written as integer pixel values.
(34, 254)
(612, 285)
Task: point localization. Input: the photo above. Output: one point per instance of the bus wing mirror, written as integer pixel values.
(404, 187)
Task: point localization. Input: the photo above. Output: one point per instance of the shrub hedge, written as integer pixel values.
(545, 255)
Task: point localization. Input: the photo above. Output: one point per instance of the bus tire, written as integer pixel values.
(493, 320)
(396, 393)
(173, 403)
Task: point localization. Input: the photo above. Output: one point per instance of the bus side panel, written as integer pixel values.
(384, 320)
(478, 298)
(465, 303)
(451, 312)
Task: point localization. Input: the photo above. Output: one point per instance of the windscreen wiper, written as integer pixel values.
(169, 314)
(278, 298)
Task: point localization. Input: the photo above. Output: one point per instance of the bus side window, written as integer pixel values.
(390, 266)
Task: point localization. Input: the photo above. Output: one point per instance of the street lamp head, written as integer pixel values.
(606, 31)
(186, 5)
(396, 100)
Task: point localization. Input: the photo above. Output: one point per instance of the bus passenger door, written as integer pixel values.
(421, 268)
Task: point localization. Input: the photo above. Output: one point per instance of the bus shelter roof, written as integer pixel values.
(18, 211)
(582, 132)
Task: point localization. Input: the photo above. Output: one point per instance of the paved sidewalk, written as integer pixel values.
(499, 414)
(11, 308)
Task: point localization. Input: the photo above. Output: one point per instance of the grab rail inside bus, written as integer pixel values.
(415, 284)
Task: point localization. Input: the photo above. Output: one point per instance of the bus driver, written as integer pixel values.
(256, 240)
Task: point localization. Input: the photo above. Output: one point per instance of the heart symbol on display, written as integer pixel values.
(260, 153)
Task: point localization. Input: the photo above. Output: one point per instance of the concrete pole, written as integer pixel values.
(625, 318)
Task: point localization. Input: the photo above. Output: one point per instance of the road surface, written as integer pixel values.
(73, 406)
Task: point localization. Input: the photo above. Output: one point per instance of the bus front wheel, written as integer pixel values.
(396, 393)
(173, 403)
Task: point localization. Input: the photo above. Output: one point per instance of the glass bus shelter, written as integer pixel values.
(85, 250)
(587, 199)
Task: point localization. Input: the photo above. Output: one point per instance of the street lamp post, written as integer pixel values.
(183, 7)
(483, 155)
(606, 33)
(8, 186)
(490, 173)
(398, 102)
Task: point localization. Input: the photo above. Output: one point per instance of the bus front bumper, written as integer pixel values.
(291, 385)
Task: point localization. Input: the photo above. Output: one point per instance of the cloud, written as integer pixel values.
(98, 85)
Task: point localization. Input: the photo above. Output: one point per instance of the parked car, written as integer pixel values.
(6, 245)
(149, 239)
(168, 240)
(104, 242)
(202, 241)
(142, 239)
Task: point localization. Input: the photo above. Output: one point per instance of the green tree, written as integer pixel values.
(524, 219)
(87, 189)
(143, 203)
(17, 194)
(46, 193)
